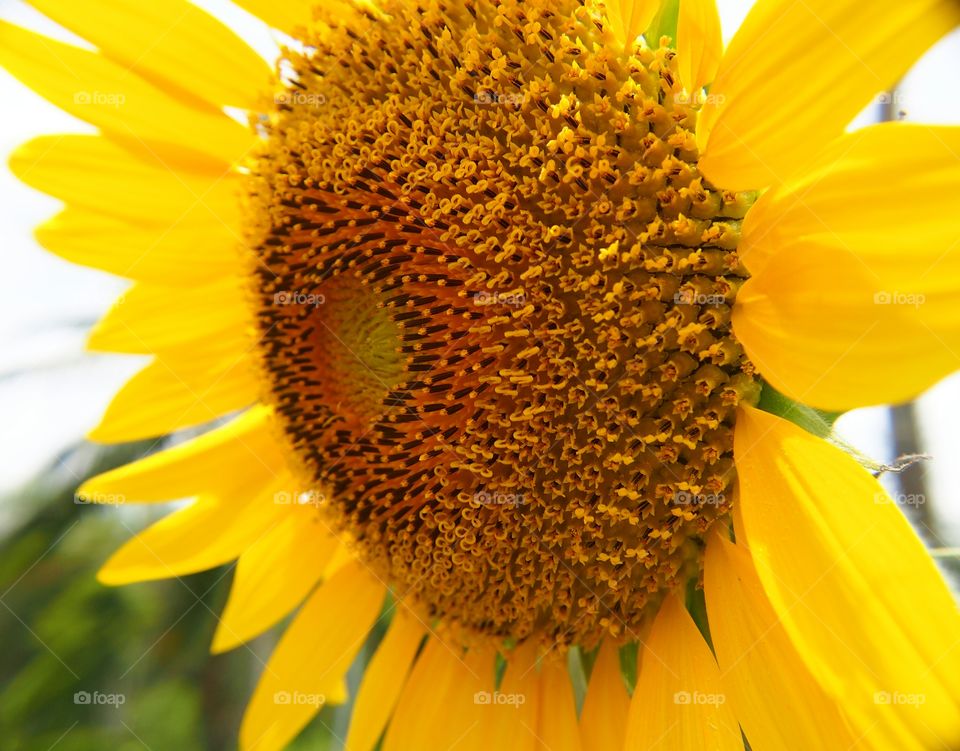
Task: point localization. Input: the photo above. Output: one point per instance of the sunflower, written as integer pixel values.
(492, 303)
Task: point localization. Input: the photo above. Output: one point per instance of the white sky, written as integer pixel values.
(51, 391)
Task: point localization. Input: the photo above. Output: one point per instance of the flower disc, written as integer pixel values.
(494, 295)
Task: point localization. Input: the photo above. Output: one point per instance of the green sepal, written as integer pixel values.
(664, 23)
(629, 660)
(578, 676)
(697, 607)
(499, 669)
(814, 421)
(817, 422)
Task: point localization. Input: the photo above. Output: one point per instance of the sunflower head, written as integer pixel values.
(494, 300)
(499, 289)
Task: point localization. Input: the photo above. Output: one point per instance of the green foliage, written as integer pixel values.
(87, 667)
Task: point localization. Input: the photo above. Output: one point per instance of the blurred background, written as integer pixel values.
(86, 667)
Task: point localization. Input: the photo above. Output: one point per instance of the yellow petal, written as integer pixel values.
(462, 724)
(557, 729)
(311, 658)
(204, 535)
(424, 706)
(850, 189)
(415, 717)
(383, 680)
(679, 702)
(699, 43)
(513, 719)
(341, 557)
(157, 253)
(851, 583)
(284, 15)
(274, 575)
(844, 350)
(174, 44)
(603, 721)
(240, 454)
(173, 393)
(159, 187)
(630, 18)
(148, 319)
(771, 691)
(855, 297)
(797, 73)
(104, 93)
(339, 695)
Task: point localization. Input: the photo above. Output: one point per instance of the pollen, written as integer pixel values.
(494, 298)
